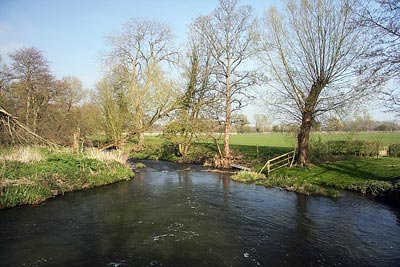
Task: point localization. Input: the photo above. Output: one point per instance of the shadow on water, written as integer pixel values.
(179, 215)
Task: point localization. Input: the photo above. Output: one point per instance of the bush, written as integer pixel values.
(394, 150)
(321, 149)
(371, 187)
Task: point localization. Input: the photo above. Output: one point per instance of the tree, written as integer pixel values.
(114, 109)
(380, 20)
(334, 124)
(230, 34)
(313, 52)
(198, 103)
(32, 83)
(240, 121)
(262, 123)
(64, 108)
(2, 81)
(136, 60)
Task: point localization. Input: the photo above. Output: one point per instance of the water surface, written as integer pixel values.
(169, 216)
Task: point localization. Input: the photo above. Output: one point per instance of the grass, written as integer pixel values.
(288, 140)
(248, 177)
(55, 172)
(366, 175)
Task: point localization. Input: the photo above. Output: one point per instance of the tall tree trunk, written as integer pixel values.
(228, 111)
(303, 139)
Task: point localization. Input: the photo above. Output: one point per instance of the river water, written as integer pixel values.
(169, 216)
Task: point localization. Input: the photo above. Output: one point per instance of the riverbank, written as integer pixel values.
(367, 175)
(31, 175)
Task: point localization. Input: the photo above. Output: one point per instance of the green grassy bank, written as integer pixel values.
(30, 175)
(370, 176)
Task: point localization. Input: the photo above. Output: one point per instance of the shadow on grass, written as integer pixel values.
(360, 169)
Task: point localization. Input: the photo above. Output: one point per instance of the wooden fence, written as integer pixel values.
(279, 162)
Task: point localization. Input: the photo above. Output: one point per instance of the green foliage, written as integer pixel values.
(33, 182)
(371, 187)
(320, 149)
(140, 165)
(394, 150)
(248, 176)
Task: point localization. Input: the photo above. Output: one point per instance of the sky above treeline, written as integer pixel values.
(71, 33)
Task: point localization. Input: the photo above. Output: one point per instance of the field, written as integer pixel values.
(289, 139)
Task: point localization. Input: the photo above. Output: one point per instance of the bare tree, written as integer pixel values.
(136, 60)
(32, 82)
(380, 20)
(313, 52)
(230, 33)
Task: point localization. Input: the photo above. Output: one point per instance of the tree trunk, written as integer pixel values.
(303, 139)
(27, 107)
(228, 111)
(141, 143)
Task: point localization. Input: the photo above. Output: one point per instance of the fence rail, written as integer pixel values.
(279, 162)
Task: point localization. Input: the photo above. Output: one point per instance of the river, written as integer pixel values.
(170, 216)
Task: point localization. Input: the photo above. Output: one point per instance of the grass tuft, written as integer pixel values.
(106, 156)
(247, 177)
(23, 154)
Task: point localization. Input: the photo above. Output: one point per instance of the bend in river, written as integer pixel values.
(169, 216)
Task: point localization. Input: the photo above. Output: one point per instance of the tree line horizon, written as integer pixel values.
(313, 59)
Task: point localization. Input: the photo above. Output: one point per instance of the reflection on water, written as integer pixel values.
(169, 216)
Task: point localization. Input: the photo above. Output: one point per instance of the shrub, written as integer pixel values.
(394, 150)
(140, 165)
(371, 187)
(321, 149)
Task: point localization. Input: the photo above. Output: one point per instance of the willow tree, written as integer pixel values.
(136, 62)
(313, 52)
(230, 34)
(380, 20)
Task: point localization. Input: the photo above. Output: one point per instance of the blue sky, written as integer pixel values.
(71, 33)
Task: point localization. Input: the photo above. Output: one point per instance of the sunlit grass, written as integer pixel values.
(366, 175)
(23, 154)
(106, 156)
(31, 179)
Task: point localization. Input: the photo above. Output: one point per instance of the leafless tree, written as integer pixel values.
(137, 60)
(380, 20)
(230, 34)
(32, 82)
(313, 51)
